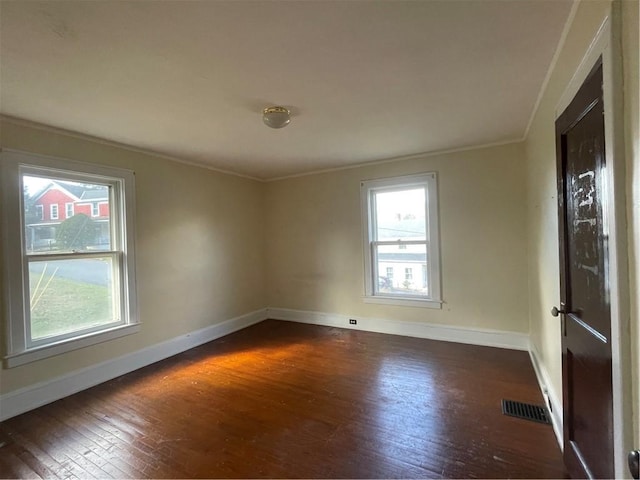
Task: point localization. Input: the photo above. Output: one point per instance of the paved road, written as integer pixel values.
(92, 271)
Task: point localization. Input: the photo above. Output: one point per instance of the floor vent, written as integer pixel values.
(527, 411)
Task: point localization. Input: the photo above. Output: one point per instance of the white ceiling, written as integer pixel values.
(366, 80)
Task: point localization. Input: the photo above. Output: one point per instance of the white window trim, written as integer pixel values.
(95, 209)
(68, 207)
(52, 207)
(18, 350)
(40, 211)
(367, 187)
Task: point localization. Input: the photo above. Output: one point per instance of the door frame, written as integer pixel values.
(607, 43)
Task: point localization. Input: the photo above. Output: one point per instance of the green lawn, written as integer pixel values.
(60, 305)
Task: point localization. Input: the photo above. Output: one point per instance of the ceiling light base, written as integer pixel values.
(276, 116)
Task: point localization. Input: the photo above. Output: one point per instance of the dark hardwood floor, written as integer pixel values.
(281, 399)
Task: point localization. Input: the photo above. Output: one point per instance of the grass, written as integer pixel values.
(60, 305)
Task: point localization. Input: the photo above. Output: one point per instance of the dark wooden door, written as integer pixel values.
(585, 308)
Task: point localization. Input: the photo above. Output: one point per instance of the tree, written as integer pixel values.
(31, 216)
(77, 232)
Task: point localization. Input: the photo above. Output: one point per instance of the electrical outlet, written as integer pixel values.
(353, 321)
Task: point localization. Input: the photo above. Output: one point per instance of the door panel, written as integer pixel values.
(587, 387)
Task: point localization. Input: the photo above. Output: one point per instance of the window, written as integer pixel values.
(69, 210)
(72, 283)
(53, 209)
(400, 230)
(39, 212)
(95, 209)
(408, 273)
(390, 273)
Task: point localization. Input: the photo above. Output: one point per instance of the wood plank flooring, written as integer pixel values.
(288, 400)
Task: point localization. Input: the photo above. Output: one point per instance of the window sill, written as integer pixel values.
(403, 302)
(46, 351)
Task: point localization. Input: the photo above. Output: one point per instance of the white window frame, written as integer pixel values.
(68, 208)
(54, 211)
(367, 190)
(95, 209)
(40, 211)
(20, 348)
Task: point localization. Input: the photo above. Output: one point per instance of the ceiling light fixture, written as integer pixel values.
(276, 116)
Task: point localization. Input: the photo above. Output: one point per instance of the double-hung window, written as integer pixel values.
(400, 232)
(70, 282)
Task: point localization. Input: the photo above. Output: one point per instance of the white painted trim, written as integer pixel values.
(69, 344)
(403, 302)
(552, 66)
(403, 158)
(607, 43)
(68, 133)
(20, 347)
(20, 401)
(110, 143)
(599, 44)
(368, 188)
(446, 333)
(548, 392)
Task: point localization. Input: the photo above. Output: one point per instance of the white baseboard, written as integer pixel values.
(474, 336)
(549, 393)
(25, 399)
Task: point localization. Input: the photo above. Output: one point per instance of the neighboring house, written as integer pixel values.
(402, 269)
(59, 201)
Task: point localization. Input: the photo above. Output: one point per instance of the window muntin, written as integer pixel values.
(70, 281)
(69, 210)
(53, 209)
(400, 234)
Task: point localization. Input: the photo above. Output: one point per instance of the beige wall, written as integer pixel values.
(544, 288)
(315, 252)
(541, 188)
(200, 255)
(631, 57)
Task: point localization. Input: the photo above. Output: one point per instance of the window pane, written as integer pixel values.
(65, 216)
(401, 215)
(70, 295)
(400, 271)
